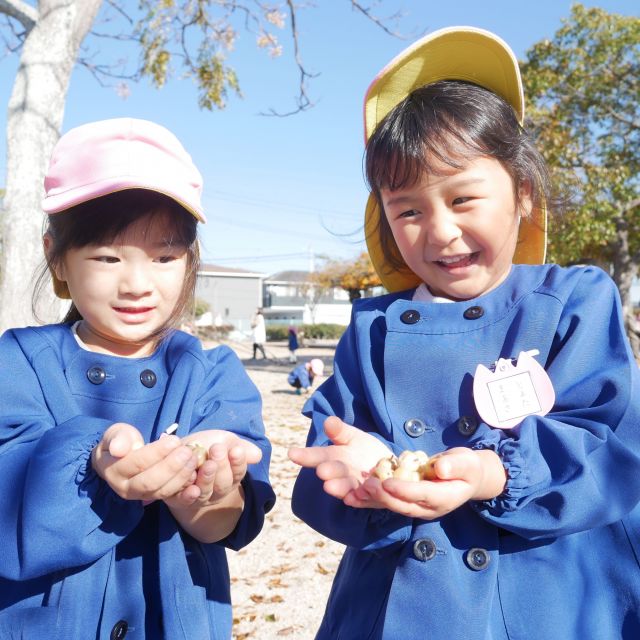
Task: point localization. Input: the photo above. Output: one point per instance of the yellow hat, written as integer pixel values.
(455, 53)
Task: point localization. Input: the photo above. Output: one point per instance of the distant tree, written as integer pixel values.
(52, 36)
(319, 283)
(354, 276)
(583, 89)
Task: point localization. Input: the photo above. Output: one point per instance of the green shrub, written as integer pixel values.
(324, 331)
(277, 332)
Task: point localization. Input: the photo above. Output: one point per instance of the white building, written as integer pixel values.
(289, 298)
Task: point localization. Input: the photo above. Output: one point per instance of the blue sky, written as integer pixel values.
(278, 191)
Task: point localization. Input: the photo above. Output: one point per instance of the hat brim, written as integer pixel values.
(530, 248)
(61, 201)
(456, 53)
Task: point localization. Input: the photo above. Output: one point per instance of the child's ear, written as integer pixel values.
(47, 245)
(525, 198)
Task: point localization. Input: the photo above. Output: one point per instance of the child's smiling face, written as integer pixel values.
(457, 231)
(126, 290)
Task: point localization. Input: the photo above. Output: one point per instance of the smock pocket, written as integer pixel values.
(31, 623)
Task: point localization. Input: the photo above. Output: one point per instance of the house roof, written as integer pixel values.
(214, 269)
(288, 276)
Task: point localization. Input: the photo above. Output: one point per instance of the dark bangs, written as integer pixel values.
(443, 123)
(102, 220)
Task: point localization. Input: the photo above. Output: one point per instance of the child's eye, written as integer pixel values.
(408, 214)
(166, 259)
(461, 200)
(107, 259)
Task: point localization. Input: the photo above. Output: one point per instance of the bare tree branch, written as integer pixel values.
(24, 13)
(632, 122)
(380, 22)
(118, 9)
(303, 101)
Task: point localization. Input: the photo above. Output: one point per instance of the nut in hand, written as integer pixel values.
(409, 465)
(200, 451)
(385, 468)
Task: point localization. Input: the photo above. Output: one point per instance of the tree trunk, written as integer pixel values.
(34, 119)
(624, 270)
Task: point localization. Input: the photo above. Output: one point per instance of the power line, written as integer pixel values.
(254, 258)
(297, 208)
(283, 230)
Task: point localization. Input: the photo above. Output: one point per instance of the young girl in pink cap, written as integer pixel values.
(135, 457)
(518, 377)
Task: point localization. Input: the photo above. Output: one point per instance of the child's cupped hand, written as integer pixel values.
(460, 475)
(345, 465)
(221, 473)
(139, 471)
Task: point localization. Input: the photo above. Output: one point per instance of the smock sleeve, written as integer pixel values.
(54, 513)
(343, 395)
(578, 467)
(229, 400)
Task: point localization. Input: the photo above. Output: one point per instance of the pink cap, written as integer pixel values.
(317, 366)
(100, 158)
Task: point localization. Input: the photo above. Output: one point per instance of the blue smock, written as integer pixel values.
(299, 376)
(556, 555)
(76, 560)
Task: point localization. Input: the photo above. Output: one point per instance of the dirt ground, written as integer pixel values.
(281, 581)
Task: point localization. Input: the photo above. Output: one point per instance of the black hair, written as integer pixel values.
(448, 122)
(103, 220)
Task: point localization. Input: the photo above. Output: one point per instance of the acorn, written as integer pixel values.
(199, 450)
(385, 468)
(412, 466)
(405, 473)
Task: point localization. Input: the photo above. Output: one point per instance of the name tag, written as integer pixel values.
(512, 391)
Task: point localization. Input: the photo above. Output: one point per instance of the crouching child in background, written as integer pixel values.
(301, 378)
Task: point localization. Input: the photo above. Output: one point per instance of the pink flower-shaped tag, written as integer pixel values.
(509, 393)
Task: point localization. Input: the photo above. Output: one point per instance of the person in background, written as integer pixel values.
(293, 344)
(259, 333)
(515, 376)
(130, 456)
(301, 378)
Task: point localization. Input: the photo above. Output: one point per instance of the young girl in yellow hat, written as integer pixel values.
(515, 376)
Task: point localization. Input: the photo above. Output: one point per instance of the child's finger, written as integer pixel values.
(120, 439)
(252, 453)
(224, 477)
(228, 439)
(238, 460)
(340, 487)
(339, 432)
(157, 476)
(165, 478)
(332, 469)
(139, 460)
(309, 456)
